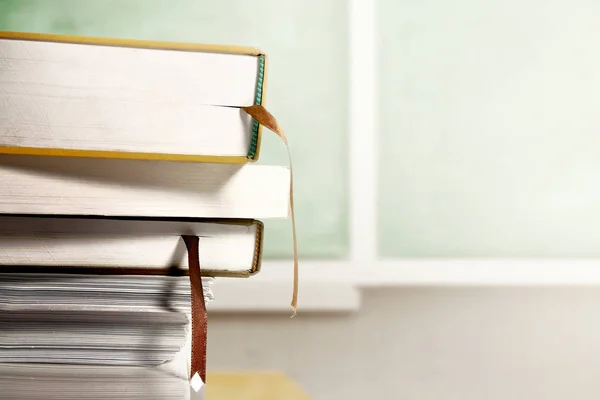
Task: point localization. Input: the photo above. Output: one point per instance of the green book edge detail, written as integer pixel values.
(257, 101)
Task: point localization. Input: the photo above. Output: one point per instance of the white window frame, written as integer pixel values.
(334, 285)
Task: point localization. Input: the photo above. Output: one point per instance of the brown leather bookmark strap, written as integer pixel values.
(199, 315)
(265, 118)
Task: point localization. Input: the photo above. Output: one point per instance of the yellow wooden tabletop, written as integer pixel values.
(252, 386)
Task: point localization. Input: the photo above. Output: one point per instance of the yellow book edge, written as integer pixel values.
(258, 250)
(135, 43)
(145, 44)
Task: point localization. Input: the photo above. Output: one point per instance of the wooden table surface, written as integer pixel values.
(252, 386)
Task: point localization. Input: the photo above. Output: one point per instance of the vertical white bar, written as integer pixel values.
(363, 133)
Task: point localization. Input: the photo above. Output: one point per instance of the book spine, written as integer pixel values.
(257, 101)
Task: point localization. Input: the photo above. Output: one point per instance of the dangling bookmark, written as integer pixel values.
(263, 117)
(199, 316)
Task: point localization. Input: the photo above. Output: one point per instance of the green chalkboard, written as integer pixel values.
(490, 135)
(307, 85)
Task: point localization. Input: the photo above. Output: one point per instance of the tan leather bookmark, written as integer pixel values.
(199, 315)
(264, 117)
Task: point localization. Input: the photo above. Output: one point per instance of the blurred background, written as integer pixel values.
(483, 143)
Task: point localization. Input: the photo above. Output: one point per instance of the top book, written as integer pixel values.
(118, 98)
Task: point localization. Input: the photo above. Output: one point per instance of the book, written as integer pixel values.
(226, 248)
(145, 151)
(92, 382)
(67, 335)
(107, 98)
(145, 188)
(146, 322)
(119, 98)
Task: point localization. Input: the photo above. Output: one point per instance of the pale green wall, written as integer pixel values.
(490, 128)
(307, 85)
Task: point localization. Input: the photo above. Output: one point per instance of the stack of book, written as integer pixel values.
(126, 173)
